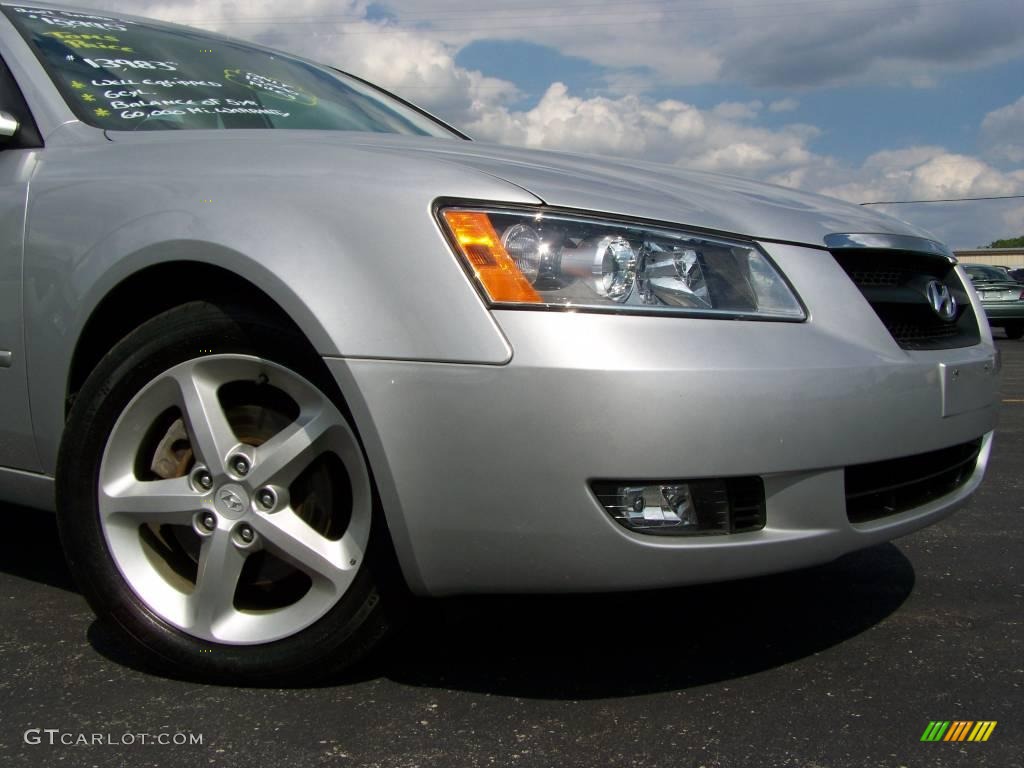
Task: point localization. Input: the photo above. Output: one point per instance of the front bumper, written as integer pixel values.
(1007, 310)
(484, 470)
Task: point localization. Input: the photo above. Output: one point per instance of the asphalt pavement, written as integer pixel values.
(839, 665)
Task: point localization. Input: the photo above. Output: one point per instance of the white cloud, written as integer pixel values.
(685, 123)
(924, 173)
(735, 110)
(792, 43)
(953, 176)
(885, 44)
(964, 225)
(1002, 132)
(1013, 219)
(932, 173)
(670, 131)
(783, 105)
(662, 40)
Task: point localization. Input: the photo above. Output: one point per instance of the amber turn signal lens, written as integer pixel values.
(481, 247)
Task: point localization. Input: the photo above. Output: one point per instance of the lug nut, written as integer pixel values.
(204, 480)
(208, 521)
(246, 534)
(241, 465)
(267, 498)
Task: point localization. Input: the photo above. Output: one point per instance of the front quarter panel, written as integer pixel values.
(343, 240)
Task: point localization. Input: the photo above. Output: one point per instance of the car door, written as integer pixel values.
(18, 155)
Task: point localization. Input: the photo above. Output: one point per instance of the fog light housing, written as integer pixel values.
(685, 507)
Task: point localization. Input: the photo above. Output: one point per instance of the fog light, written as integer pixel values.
(655, 506)
(680, 508)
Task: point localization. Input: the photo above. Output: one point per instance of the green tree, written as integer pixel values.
(1010, 242)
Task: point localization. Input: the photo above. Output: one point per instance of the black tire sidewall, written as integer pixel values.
(198, 329)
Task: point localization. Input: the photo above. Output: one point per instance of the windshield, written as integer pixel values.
(125, 75)
(985, 273)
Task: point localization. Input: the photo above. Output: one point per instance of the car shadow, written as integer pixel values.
(573, 647)
(31, 549)
(627, 644)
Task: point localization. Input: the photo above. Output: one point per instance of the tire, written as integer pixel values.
(1014, 331)
(216, 507)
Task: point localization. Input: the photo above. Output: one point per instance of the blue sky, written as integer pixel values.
(948, 114)
(861, 99)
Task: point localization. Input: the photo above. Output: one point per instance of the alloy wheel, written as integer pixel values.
(234, 499)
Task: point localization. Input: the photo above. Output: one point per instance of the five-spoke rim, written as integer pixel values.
(232, 502)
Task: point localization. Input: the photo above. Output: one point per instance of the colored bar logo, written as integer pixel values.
(958, 730)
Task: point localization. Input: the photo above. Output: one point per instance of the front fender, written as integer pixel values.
(353, 256)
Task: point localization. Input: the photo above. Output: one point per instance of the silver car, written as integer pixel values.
(281, 350)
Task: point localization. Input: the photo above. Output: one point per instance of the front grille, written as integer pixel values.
(894, 283)
(885, 488)
(874, 278)
(921, 332)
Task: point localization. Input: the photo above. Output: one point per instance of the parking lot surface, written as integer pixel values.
(839, 665)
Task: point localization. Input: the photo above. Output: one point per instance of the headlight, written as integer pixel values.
(554, 260)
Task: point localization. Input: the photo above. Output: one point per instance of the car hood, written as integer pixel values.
(604, 185)
(667, 193)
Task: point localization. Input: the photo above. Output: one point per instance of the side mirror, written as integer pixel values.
(8, 125)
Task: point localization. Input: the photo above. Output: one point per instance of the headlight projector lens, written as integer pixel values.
(609, 262)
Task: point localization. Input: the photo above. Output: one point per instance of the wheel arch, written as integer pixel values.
(155, 285)
(155, 288)
(158, 287)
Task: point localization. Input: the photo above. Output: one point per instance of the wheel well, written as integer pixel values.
(149, 292)
(153, 290)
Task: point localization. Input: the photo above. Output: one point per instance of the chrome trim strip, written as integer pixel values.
(5, 359)
(889, 242)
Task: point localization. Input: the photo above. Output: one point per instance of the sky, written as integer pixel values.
(866, 100)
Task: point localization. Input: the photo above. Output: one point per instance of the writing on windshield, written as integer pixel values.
(123, 75)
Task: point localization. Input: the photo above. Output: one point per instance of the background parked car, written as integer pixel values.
(1002, 297)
